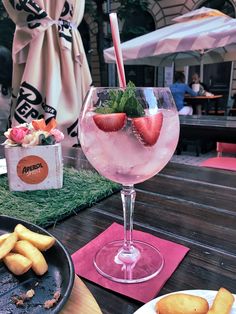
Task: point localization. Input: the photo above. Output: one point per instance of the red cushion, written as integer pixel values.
(226, 147)
(226, 163)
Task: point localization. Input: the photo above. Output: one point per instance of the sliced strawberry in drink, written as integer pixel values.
(148, 128)
(110, 122)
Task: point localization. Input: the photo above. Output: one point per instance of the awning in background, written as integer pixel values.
(50, 71)
(200, 36)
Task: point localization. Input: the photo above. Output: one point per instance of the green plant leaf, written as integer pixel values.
(50, 140)
(41, 139)
(133, 108)
(104, 110)
(122, 101)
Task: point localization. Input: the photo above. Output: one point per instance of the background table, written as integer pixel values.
(204, 101)
(189, 205)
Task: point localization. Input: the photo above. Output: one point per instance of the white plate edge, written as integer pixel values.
(209, 295)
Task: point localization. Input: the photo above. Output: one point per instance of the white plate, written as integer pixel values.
(209, 295)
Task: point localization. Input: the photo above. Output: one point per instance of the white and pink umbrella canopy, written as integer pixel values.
(203, 35)
(50, 71)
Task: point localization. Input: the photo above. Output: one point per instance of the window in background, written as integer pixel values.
(141, 75)
(213, 78)
(224, 6)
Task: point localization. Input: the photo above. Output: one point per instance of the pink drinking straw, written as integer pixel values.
(118, 53)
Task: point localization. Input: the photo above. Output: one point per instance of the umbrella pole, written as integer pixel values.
(231, 80)
(155, 76)
(201, 68)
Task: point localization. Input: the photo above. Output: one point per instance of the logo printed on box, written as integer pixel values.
(32, 169)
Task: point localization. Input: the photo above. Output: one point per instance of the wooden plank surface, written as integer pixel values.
(188, 205)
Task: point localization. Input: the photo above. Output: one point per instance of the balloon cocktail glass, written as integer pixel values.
(128, 135)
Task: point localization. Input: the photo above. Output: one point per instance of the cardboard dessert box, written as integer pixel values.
(34, 168)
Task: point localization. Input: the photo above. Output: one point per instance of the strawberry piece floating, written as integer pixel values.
(148, 128)
(110, 122)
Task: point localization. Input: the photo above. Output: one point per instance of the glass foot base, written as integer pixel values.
(144, 262)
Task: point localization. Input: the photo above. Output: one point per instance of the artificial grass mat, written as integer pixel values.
(80, 189)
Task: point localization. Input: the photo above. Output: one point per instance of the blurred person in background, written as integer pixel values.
(202, 89)
(5, 87)
(196, 80)
(179, 88)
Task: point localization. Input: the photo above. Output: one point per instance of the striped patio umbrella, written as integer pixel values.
(50, 71)
(200, 36)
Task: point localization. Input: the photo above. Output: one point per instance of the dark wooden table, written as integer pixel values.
(189, 205)
(203, 101)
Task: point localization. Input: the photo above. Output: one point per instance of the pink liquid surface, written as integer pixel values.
(121, 157)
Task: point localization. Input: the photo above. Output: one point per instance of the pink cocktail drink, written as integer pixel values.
(121, 156)
(128, 135)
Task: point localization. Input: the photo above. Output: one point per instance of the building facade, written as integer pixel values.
(162, 12)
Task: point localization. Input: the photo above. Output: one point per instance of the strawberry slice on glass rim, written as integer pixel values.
(147, 129)
(110, 122)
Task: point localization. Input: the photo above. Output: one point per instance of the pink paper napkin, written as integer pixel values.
(173, 254)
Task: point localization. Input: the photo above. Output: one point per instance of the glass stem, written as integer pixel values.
(128, 195)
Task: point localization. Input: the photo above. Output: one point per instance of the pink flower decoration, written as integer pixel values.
(17, 134)
(59, 136)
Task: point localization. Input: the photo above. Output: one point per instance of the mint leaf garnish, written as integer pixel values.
(133, 108)
(105, 110)
(122, 101)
